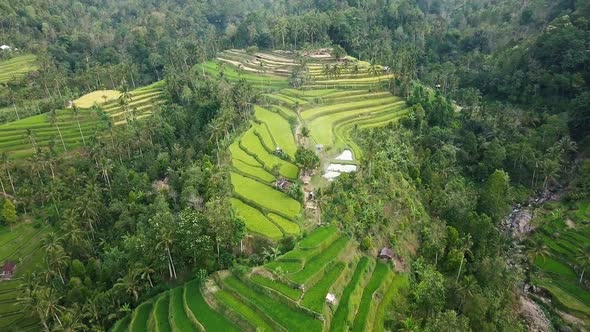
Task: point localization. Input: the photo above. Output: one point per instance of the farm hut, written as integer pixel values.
(319, 147)
(385, 253)
(8, 270)
(279, 150)
(69, 104)
(311, 196)
(282, 184)
(331, 298)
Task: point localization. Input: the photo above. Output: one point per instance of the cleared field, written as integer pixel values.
(210, 319)
(256, 221)
(290, 319)
(17, 67)
(265, 196)
(96, 97)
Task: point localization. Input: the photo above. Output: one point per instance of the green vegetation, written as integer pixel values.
(290, 292)
(398, 285)
(207, 317)
(292, 320)
(255, 220)
(160, 314)
(177, 317)
(16, 67)
(265, 196)
(318, 263)
(139, 320)
(246, 312)
(315, 297)
(340, 321)
(362, 320)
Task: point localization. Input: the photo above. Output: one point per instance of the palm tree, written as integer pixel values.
(146, 273)
(48, 305)
(7, 166)
(539, 249)
(465, 248)
(58, 260)
(76, 115)
(166, 242)
(583, 261)
(31, 137)
(52, 117)
(129, 284)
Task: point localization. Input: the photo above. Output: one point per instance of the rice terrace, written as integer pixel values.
(259, 165)
(289, 294)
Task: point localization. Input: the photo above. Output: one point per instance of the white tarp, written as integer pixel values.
(345, 155)
(342, 168)
(331, 175)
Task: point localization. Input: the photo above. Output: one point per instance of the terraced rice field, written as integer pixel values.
(20, 138)
(22, 245)
(288, 294)
(16, 67)
(559, 272)
(261, 300)
(18, 142)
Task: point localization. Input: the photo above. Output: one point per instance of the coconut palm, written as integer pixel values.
(465, 248)
(130, 284)
(53, 120)
(7, 167)
(76, 115)
(583, 261)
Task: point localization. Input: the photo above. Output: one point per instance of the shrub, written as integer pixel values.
(366, 243)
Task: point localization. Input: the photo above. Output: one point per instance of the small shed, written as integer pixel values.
(311, 196)
(283, 184)
(319, 147)
(69, 104)
(5, 48)
(331, 298)
(386, 254)
(8, 270)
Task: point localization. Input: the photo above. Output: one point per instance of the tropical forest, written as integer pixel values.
(295, 165)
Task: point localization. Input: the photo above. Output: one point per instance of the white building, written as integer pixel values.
(5, 48)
